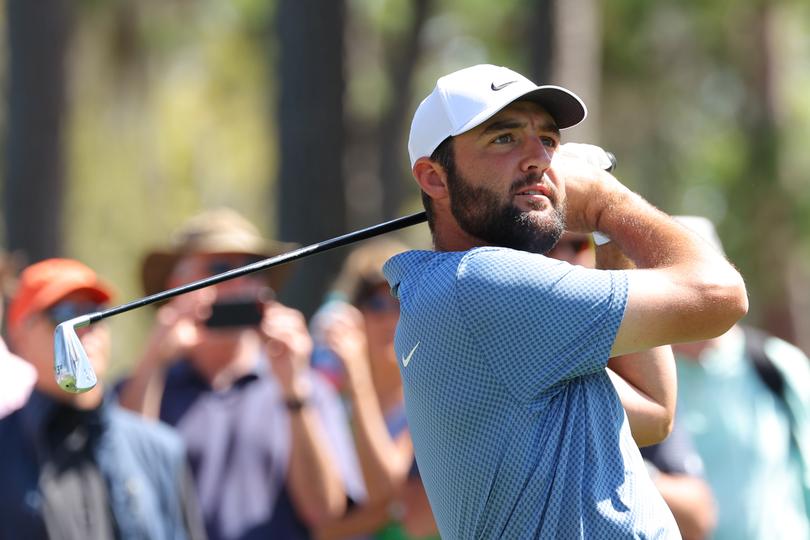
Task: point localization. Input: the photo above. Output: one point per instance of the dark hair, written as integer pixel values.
(444, 156)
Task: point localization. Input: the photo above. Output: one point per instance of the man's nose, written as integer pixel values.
(537, 156)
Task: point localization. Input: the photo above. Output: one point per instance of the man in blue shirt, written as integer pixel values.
(77, 465)
(517, 429)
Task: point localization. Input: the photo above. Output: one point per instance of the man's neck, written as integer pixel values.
(449, 236)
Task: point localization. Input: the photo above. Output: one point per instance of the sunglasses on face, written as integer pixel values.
(70, 309)
(226, 264)
(381, 302)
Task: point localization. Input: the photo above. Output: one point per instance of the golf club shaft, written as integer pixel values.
(319, 247)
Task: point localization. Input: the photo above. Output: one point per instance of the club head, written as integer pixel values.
(72, 368)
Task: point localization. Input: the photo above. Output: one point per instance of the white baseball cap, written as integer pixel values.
(466, 98)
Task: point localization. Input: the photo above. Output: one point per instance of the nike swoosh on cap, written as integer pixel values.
(501, 86)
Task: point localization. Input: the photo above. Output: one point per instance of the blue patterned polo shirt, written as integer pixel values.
(517, 429)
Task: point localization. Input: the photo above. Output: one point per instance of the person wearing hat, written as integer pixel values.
(517, 428)
(77, 465)
(229, 367)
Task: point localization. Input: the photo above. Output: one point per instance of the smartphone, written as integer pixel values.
(236, 313)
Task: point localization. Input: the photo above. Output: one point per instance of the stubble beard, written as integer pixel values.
(481, 213)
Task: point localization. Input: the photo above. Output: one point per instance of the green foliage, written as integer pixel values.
(180, 127)
(172, 110)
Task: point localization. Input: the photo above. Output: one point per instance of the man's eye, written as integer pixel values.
(503, 139)
(549, 141)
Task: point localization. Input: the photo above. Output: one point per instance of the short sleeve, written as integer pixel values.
(539, 321)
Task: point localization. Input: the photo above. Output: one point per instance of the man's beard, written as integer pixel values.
(482, 214)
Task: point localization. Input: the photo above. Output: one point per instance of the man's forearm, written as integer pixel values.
(683, 289)
(384, 462)
(645, 381)
(313, 480)
(650, 414)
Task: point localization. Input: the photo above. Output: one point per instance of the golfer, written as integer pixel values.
(519, 429)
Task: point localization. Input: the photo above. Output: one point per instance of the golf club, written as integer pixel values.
(72, 368)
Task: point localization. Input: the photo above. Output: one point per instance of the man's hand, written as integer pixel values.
(588, 189)
(590, 153)
(345, 335)
(176, 329)
(289, 347)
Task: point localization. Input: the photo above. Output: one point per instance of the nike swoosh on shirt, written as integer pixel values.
(407, 359)
(500, 86)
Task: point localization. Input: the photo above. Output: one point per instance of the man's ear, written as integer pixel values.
(431, 177)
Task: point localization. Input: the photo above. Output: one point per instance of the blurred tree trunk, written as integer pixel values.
(577, 59)
(402, 58)
(39, 33)
(565, 48)
(311, 201)
(761, 201)
(540, 38)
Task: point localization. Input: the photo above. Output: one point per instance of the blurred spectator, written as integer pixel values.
(674, 465)
(744, 398)
(360, 333)
(229, 367)
(76, 466)
(17, 377)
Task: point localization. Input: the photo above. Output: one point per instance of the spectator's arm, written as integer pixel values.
(385, 460)
(358, 522)
(174, 333)
(313, 480)
(418, 520)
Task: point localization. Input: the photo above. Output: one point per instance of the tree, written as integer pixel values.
(402, 58)
(39, 33)
(311, 200)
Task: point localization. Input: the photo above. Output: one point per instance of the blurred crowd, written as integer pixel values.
(241, 419)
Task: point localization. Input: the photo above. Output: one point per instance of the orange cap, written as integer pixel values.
(43, 284)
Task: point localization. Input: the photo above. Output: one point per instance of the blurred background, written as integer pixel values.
(124, 117)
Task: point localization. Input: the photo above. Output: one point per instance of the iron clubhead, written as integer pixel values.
(72, 368)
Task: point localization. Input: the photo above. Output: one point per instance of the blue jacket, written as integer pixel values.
(143, 464)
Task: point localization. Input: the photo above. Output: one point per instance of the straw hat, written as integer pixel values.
(214, 231)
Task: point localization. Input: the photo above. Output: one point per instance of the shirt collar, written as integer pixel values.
(40, 408)
(184, 372)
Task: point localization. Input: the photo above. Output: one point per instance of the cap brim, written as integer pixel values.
(98, 291)
(564, 106)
